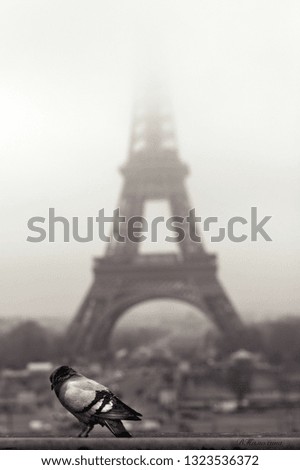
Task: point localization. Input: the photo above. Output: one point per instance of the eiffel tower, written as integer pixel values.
(124, 277)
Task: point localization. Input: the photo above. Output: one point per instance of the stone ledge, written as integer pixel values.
(142, 443)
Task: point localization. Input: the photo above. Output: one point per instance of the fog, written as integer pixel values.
(69, 74)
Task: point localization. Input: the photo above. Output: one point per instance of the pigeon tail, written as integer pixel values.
(117, 428)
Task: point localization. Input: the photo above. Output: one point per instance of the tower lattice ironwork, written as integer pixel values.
(124, 277)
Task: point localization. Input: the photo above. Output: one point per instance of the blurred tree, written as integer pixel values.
(251, 340)
(26, 342)
(281, 341)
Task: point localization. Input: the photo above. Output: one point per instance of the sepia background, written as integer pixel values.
(69, 74)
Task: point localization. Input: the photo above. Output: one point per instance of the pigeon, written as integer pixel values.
(90, 402)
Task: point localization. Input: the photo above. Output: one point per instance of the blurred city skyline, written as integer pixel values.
(69, 77)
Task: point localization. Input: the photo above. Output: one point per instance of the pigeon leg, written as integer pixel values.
(86, 430)
(81, 432)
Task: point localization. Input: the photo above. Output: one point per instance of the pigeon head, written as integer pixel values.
(60, 375)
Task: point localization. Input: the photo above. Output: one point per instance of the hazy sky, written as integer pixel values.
(66, 86)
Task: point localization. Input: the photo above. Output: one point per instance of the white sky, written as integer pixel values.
(66, 85)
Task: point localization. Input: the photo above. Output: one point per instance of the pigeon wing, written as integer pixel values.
(118, 410)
